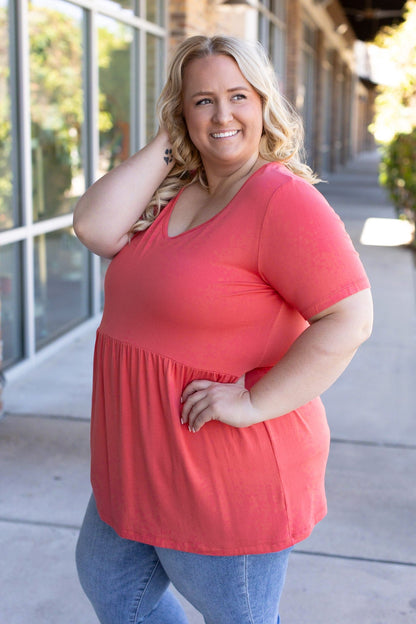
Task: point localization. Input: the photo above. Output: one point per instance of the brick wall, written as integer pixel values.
(203, 17)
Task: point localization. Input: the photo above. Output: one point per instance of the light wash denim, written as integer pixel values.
(127, 582)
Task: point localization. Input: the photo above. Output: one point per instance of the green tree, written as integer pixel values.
(395, 105)
(114, 57)
(395, 118)
(56, 101)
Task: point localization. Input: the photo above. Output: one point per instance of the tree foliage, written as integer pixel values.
(56, 69)
(395, 106)
(395, 115)
(398, 173)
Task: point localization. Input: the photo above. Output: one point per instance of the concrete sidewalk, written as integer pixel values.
(359, 566)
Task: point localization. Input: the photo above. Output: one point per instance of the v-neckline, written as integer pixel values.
(211, 219)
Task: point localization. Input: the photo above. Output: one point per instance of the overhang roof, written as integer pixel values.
(369, 16)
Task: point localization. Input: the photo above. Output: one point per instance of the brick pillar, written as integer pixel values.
(294, 50)
(319, 102)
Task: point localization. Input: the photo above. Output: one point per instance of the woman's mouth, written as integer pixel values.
(224, 135)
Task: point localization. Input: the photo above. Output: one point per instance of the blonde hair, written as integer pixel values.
(282, 139)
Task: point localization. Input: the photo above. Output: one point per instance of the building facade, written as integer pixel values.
(79, 80)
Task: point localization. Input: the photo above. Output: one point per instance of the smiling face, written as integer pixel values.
(223, 112)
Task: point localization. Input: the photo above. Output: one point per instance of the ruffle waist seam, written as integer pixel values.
(143, 350)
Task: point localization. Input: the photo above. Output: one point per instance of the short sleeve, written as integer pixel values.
(305, 253)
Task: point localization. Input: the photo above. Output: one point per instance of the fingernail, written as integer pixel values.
(182, 421)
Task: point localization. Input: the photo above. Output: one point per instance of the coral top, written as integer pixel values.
(225, 298)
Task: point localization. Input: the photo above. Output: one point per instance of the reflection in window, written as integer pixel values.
(155, 11)
(8, 216)
(278, 54)
(61, 284)
(272, 35)
(125, 6)
(11, 303)
(55, 30)
(154, 69)
(279, 8)
(114, 58)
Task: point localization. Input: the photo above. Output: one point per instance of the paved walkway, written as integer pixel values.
(358, 567)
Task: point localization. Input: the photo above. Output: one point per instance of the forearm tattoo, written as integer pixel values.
(168, 156)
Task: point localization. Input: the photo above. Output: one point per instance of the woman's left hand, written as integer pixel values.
(205, 400)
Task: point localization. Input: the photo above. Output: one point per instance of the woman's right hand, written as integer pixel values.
(107, 210)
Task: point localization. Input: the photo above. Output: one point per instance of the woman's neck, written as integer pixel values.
(221, 179)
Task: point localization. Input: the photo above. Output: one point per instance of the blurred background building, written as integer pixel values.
(79, 80)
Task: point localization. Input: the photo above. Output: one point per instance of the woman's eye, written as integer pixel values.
(239, 96)
(203, 101)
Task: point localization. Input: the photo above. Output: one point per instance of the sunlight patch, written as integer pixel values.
(387, 232)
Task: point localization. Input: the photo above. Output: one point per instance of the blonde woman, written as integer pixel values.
(233, 300)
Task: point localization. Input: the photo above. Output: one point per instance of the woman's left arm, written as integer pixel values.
(312, 364)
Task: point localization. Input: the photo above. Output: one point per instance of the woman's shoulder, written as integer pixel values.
(278, 174)
(274, 180)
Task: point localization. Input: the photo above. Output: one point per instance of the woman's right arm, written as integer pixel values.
(107, 210)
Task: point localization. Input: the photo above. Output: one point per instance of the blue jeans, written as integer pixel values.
(127, 582)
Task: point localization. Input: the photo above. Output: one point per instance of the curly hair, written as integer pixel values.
(282, 139)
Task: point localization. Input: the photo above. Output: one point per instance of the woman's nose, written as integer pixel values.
(222, 113)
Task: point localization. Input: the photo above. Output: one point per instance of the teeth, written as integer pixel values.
(222, 135)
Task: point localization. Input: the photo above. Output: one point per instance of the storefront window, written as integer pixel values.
(279, 8)
(52, 40)
(272, 35)
(61, 284)
(126, 6)
(154, 69)
(155, 11)
(55, 30)
(278, 54)
(114, 58)
(11, 303)
(8, 208)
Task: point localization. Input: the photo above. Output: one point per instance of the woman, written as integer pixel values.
(233, 300)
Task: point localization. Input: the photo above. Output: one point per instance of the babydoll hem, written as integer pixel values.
(258, 549)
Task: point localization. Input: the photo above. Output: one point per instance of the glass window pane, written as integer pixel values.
(263, 29)
(114, 58)
(155, 11)
(125, 6)
(55, 29)
(154, 72)
(279, 54)
(8, 208)
(11, 303)
(278, 8)
(61, 284)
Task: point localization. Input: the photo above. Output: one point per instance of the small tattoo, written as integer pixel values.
(168, 156)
